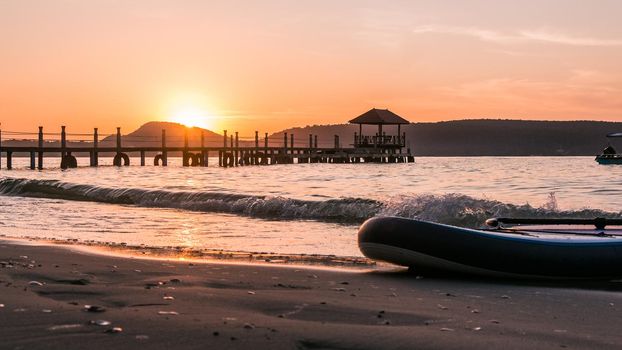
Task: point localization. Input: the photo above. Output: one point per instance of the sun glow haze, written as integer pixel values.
(191, 110)
(191, 117)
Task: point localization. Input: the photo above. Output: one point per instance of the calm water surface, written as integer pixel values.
(306, 208)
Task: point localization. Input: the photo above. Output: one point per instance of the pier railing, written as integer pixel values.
(384, 140)
(232, 150)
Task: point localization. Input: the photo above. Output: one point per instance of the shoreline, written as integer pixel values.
(201, 255)
(171, 303)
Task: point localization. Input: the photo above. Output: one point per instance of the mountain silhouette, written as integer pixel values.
(150, 134)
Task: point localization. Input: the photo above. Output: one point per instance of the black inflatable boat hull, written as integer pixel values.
(429, 246)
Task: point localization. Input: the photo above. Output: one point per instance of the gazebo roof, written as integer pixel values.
(379, 116)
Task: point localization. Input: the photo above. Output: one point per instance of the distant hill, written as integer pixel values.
(484, 137)
(511, 137)
(150, 134)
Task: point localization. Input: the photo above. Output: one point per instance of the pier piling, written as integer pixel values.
(185, 154)
(164, 153)
(32, 160)
(120, 159)
(94, 154)
(40, 145)
(237, 147)
(63, 141)
(204, 152)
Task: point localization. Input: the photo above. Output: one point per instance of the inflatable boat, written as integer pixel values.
(508, 247)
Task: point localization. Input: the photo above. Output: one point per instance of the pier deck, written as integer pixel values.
(230, 154)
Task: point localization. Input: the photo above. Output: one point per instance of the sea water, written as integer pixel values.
(292, 209)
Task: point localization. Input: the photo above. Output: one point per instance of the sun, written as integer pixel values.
(193, 116)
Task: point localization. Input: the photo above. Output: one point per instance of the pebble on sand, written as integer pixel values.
(94, 308)
(64, 326)
(114, 330)
(99, 322)
(35, 283)
(168, 313)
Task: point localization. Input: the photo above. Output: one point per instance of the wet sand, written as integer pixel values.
(176, 304)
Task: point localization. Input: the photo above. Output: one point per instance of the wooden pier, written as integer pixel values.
(378, 148)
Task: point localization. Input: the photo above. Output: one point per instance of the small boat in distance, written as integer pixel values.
(509, 247)
(609, 155)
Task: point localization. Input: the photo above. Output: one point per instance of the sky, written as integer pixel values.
(272, 64)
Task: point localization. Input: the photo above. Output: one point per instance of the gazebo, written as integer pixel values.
(379, 117)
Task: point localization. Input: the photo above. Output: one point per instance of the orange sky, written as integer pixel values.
(268, 65)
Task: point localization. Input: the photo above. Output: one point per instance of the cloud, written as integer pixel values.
(481, 34)
(523, 36)
(558, 38)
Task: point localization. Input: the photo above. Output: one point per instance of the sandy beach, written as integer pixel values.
(65, 297)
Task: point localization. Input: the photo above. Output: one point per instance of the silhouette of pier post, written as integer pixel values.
(120, 159)
(267, 157)
(309, 160)
(221, 153)
(63, 145)
(231, 156)
(32, 160)
(9, 160)
(40, 146)
(8, 154)
(164, 152)
(204, 152)
(94, 154)
(67, 160)
(255, 157)
(63, 141)
(185, 154)
(237, 149)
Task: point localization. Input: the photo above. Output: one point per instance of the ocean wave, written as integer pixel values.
(346, 210)
(462, 210)
(452, 209)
